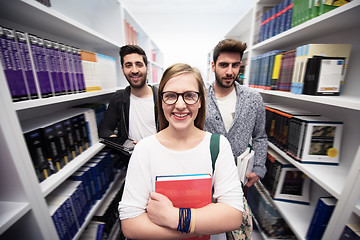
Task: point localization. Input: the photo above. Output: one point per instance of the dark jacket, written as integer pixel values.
(117, 114)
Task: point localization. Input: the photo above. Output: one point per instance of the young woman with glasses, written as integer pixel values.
(180, 148)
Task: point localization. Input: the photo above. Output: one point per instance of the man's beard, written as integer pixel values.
(220, 83)
(139, 84)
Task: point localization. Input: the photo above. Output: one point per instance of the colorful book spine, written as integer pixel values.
(79, 70)
(65, 69)
(58, 67)
(26, 64)
(71, 69)
(286, 71)
(11, 62)
(41, 69)
(38, 154)
(51, 63)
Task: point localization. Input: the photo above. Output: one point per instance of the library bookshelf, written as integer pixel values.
(340, 25)
(96, 26)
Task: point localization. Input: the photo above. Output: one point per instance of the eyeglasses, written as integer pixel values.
(189, 97)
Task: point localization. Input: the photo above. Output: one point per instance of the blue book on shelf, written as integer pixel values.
(96, 178)
(81, 176)
(321, 217)
(91, 182)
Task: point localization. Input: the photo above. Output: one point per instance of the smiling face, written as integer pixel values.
(180, 115)
(227, 68)
(135, 70)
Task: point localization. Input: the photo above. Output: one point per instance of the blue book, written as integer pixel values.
(265, 24)
(272, 21)
(59, 222)
(288, 15)
(104, 167)
(321, 217)
(65, 212)
(108, 163)
(82, 177)
(100, 165)
(76, 192)
(95, 173)
(277, 18)
(91, 183)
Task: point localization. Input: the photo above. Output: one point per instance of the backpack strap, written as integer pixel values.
(214, 148)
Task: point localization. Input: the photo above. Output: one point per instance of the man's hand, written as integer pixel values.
(252, 179)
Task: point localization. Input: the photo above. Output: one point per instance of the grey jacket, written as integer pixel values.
(249, 121)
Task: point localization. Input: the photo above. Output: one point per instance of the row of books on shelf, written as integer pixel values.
(108, 214)
(284, 182)
(59, 138)
(306, 10)
(35, 67)
(273, 20)
(70, 203)
(313, 69)
(291, 186)
(305, 136)
(131, 36)
(321, 216)
(351, 232)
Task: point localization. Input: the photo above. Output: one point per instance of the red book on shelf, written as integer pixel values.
(186, 191)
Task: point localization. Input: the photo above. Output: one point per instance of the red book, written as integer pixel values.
(186, 191)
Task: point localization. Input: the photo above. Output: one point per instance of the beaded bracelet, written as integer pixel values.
(184, 220)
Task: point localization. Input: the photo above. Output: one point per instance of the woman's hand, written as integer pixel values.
(161, 211)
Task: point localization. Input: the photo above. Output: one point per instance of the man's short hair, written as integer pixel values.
(129, 49)
(229, 45)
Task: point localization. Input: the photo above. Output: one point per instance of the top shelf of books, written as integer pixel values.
(38, 17)
(340, 19)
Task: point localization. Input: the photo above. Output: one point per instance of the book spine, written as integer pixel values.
(79, 70)
(27, 67)
(38, 154)
(12, 66)
(69, 211)
(64, 149)
(49, 138)
(50, 60)
(60, 224)
(58, 72)
(81, 176)
(319, 220)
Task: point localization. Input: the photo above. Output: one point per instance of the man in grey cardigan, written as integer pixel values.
(236, 111)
